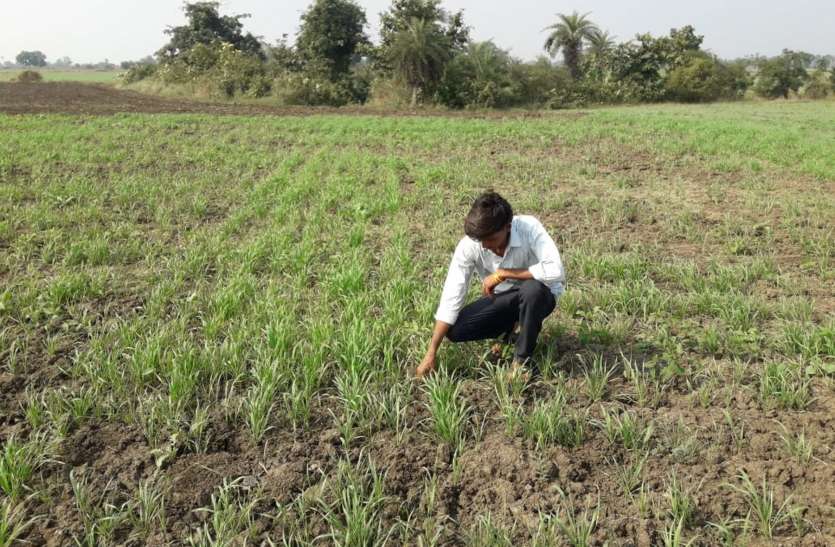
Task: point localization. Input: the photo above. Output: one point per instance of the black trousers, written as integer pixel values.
(490, 317)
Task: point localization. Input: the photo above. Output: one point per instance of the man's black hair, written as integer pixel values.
(489, 214)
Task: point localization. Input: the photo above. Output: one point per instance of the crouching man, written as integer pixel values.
(521, 279)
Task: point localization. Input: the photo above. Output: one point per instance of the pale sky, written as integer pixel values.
(92, 30)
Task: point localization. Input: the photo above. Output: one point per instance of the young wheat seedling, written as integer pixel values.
(449, 412)
(784, 386)
(767, 516)
(508, 390)
(354, 518)
(230, 516)
(597, 378)
(798, 445)
(682, 503)
(18, 461)
(648, 389)
(673, 535)
(12, 522)
(548, 423)
(487, 533)
(577, 527)
(148, 510)
(725, 529)
(625, 429)
(629, 476)
(258, 406)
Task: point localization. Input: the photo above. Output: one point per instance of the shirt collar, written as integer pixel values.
(515, 236)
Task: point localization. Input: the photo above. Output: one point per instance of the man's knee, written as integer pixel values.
(537, 293)
(453, 334)
(533, 289)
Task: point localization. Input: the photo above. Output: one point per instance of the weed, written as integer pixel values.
(684, 443)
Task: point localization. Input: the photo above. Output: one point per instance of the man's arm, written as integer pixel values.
(428, 363)
(492, 281)
(549, 269)
(452, 300)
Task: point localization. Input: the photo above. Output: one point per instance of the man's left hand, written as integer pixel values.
(489, 284)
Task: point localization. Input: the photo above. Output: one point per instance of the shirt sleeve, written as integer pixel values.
(549, 269)
(455, 287)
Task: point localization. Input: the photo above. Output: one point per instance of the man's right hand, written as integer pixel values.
(426, 366)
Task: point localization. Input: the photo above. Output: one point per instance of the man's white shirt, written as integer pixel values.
(530, 248)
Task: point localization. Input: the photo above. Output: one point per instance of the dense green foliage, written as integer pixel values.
(703, 79)
(568, 35)
(208, 28)
(31, 58)
(425, 55)
(419, 54)
(331, 32)
(781, 75)
(401, 13)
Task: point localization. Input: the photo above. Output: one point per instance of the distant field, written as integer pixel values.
(209, 323)
(50, 75)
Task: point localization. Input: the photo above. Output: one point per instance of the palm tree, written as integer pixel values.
(419, 53)
(567, 35)
(600, 42)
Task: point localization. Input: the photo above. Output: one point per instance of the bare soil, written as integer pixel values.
(97, 99)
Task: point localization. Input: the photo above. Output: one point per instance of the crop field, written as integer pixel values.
(68, 75)
(209, 326)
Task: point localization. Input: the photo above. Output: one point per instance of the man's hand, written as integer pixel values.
(490, 283)
(426, 366)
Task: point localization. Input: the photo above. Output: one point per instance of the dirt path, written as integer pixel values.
(95, 99)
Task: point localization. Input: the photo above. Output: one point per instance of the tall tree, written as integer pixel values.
(331, 31)
(600, 42)
(399, 16)
(31, 58)
(568, 34)
(480, 77)
(418, 54)
(779, 76)
(206, 26)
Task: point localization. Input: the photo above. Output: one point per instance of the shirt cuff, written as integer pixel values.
(447, 316)
(538, 272)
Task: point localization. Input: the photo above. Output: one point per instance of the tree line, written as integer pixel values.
(425, 55)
